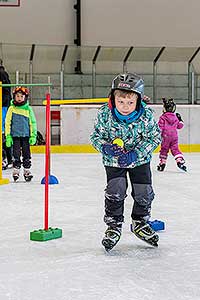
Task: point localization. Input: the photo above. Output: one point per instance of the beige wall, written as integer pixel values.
(141, 22)
(104, 22)
(38, 22)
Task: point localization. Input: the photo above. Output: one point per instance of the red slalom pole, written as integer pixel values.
(48, 233)
(47, 158)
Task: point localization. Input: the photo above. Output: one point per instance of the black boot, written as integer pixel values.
(111, 238)
(16, 174)
(181, 165)
(144, 232)
(161, 167)
(27, 175)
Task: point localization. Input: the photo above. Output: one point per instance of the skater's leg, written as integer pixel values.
(165, 145)
(26, 154)
(178, 155)
(143, 195)
(17, 152)
(17, 158)
(115, 194)
(9, 156)
(4, 160)
(142, 191)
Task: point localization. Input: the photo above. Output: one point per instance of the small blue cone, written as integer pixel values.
(157, 225)
(52, 180)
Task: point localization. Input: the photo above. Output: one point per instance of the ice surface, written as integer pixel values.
(76, 267)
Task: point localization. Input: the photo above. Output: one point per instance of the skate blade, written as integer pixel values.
(183, 169)
(151, 243)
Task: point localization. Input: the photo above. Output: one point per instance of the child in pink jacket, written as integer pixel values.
(169, 122)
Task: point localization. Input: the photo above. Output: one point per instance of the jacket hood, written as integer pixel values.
(170, 118)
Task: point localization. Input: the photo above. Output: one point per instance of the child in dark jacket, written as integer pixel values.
(127, 118)
(169, 123)
(21, 131)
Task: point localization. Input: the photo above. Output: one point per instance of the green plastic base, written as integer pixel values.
(42, 235)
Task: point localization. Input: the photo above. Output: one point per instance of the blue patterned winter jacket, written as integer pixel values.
(142, 136)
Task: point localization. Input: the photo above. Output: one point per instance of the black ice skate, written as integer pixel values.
(181, 165)
(161, 167)
(144, 232)
(111, 238)
(16, 174)
(27, 175)
(4, 165)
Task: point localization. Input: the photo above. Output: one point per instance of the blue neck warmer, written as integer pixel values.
(129, 118)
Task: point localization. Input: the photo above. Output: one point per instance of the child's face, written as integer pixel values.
(126, 105)
(19, 97)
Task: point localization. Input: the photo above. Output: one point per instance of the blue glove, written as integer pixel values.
(125, 159)
(112, 149)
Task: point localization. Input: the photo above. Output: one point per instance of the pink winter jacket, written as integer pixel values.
(169, 123)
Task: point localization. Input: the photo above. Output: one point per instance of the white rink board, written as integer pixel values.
(77, 123)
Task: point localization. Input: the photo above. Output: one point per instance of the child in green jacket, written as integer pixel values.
(21, 131)
(127, 118)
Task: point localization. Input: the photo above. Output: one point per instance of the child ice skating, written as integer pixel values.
(127, 118)
(21, 132)
(169, 123)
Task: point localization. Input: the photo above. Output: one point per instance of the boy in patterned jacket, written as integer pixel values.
(127, 118)
(21, 131)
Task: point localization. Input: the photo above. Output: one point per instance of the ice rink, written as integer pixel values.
(76, 267)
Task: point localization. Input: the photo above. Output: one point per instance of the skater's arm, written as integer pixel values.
(33, 127)
(180, 123)
(33, 123)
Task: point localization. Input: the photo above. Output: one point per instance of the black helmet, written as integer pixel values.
(128, 82)
(169, 105)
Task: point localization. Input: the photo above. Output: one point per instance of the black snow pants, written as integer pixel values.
(115, 193)
(21, 147)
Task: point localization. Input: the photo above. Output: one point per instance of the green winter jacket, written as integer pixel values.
(142, 135)
(20, 121)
